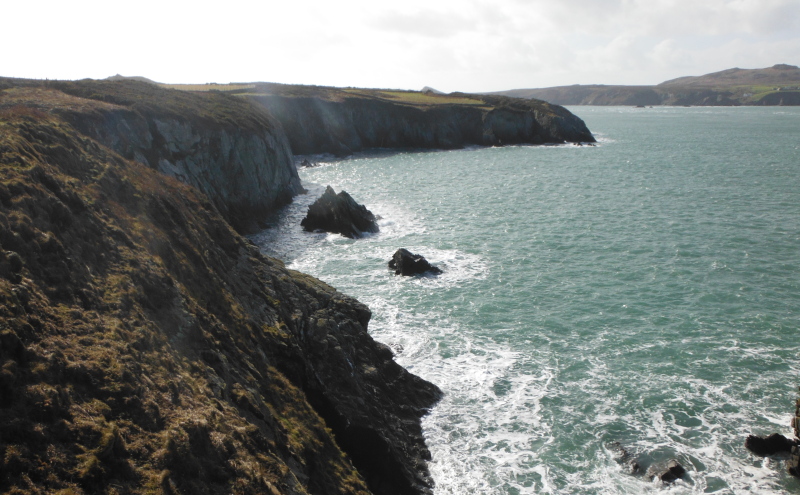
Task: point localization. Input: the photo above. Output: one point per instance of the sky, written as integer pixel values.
(464, 45)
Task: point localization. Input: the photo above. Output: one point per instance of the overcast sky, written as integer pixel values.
(465, 45)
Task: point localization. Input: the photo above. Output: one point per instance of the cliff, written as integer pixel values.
(145, 346)
(343, 121)
(777, 85)
(230, 150)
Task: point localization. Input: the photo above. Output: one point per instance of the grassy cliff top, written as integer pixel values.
(212, 108)
(417, 99)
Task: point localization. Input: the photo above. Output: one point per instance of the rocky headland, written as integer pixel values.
(146, 346)
(342, 121)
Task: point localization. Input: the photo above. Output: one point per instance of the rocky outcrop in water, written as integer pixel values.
(668, 473)
(624, 458)
(404, 262)
(339, 214)
(771, 445)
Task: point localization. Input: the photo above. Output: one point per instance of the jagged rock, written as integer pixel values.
(669, 473)
(404, 262)
(771, 445)
(622, 456)
(340, 214)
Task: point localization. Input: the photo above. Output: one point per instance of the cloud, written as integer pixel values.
(469, 45)
(427, 23)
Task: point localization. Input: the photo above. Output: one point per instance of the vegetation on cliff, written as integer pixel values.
(231, 150)
(146, 347)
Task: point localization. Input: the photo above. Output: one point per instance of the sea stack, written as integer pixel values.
(404, 262)
(340, 214)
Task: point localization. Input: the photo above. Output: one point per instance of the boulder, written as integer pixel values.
(771, 445)
(404, 262)
(340, 214)
(669, 473)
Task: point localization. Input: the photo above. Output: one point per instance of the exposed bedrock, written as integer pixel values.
(372, 404)
(668, 473)
(339, 214)
(404, 262)
(231, 150)
(771, 445)
(316, 125)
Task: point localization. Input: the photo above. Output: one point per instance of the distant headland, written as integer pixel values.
(776, 85)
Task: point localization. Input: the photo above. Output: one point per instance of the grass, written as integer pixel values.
(208, 87)
(415, 97)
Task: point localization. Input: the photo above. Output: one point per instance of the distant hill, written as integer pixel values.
(776, 85)
(119, 77)
(777, 75)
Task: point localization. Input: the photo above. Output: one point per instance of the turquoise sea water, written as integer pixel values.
(645, 291)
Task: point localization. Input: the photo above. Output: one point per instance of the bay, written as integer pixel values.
(643, 291)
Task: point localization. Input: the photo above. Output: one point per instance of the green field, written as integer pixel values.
(209, 87)
(414, 97)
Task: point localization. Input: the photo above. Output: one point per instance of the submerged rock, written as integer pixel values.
(404, 262)
(771, 445)
(669, 473)
(340, 214)
(622, 456)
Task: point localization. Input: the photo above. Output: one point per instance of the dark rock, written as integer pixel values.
(340, 214)
(307, 164)
(405, 262)
(771, 445)
(622, 456)
(669, 473)
(793, 464)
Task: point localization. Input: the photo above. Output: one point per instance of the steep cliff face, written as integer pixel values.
(232, 151)
(145, 347)
(341, 123)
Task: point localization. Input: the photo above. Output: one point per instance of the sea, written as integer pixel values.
(640, 295)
